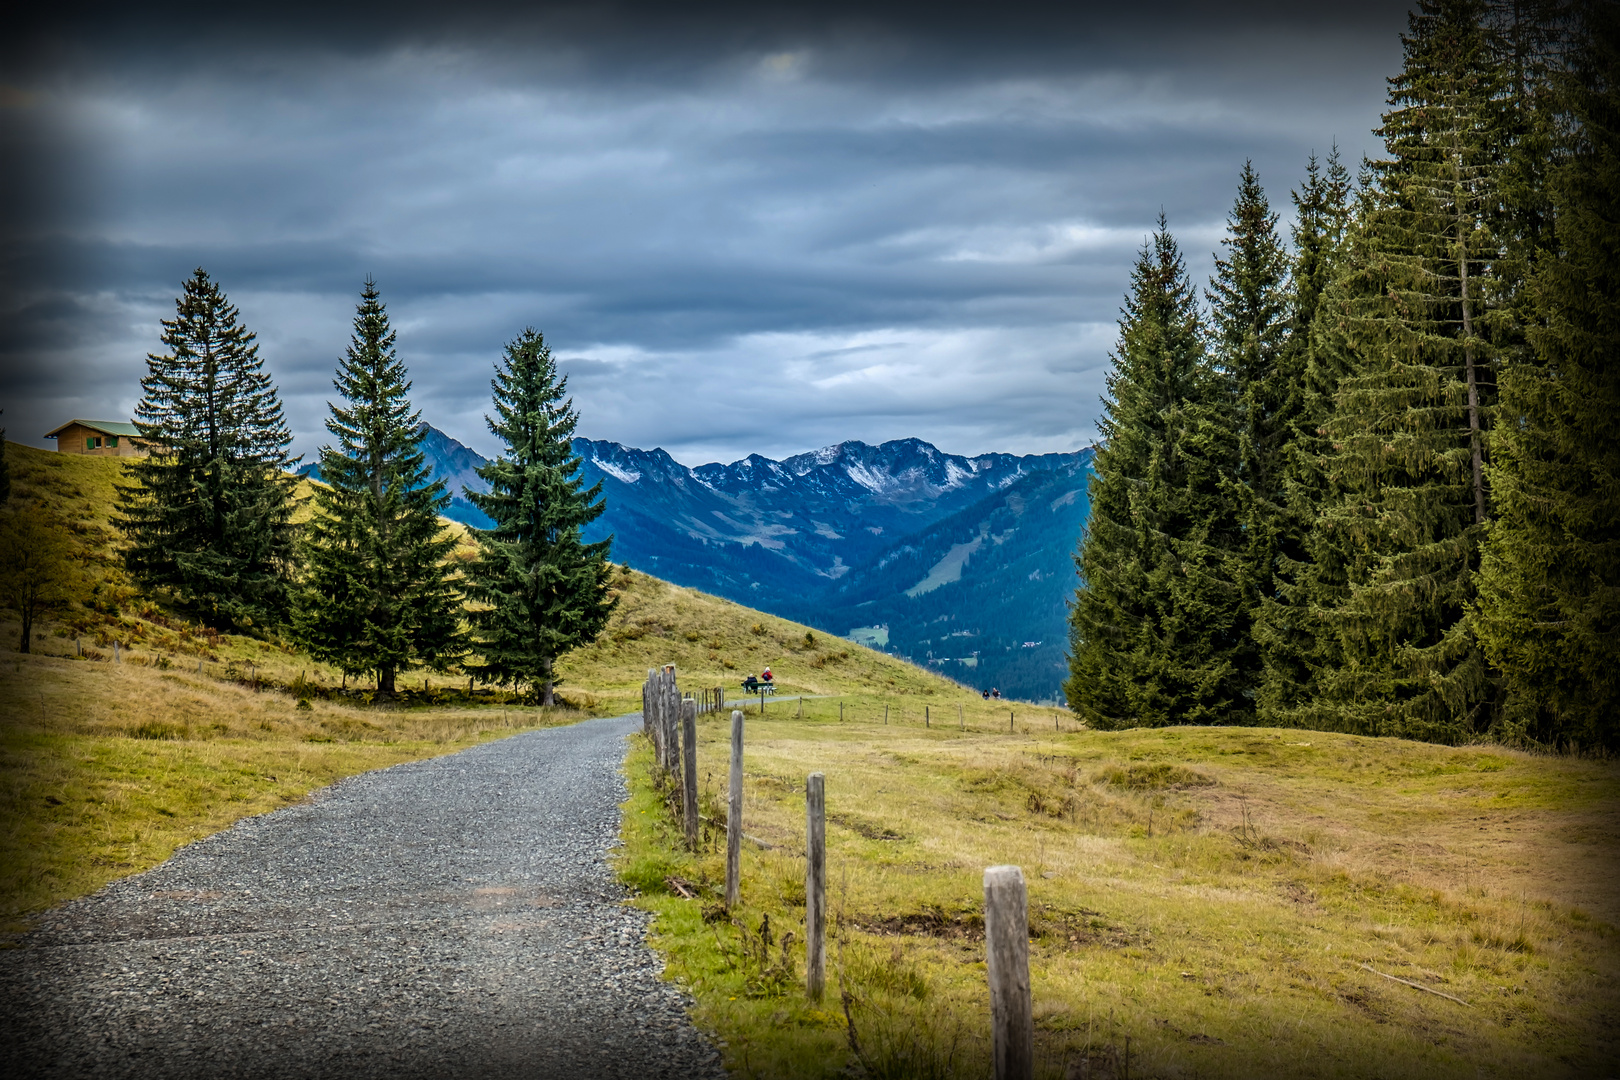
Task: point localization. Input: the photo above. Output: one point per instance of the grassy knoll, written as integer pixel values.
(106, 768)
(1209, 894)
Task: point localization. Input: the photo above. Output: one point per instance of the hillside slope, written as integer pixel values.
(717, 641)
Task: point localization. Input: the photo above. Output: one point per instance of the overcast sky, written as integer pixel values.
(753, 229)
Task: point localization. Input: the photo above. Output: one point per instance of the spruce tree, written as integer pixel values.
(1248, 298)
(1525, 38)
(1287, 632)
(208, 512)
(1549, 603)
(542, 590)
(1407, 430)
(1157, 633)
(380, 594)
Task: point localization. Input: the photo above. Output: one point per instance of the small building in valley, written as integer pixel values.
(104, 438)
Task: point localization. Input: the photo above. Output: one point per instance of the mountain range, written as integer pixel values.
(963, 564)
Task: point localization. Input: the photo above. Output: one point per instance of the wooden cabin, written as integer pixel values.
(102, 438)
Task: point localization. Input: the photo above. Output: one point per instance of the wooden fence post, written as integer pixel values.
(840, 712)
(118, 654)
(926, 714)
(672, 717)
(1006, 942)
(815, 886)
(885, 715)
(961, 725)
(734, 814)
(647, 727)
(689, 756)
(801, 706)
(669, 711)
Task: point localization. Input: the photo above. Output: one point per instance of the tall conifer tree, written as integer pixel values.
(208, 512)
(1157, 633)
(1549, 605)
(380, 595)
(1409, 419)
(1248, 299)
(1288, 633)
(543, 591)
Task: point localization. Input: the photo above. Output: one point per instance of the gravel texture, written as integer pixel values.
(443, 918)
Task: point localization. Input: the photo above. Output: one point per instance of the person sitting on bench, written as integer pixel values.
(751, 684)
(766, 675)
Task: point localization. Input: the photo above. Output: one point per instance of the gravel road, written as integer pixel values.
(443, 918)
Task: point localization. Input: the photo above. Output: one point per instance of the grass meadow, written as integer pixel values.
(1205, 900)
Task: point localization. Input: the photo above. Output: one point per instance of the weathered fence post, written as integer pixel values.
(118, 654)
(646, 707)
(734, 814)
(840, 712)
(689, 754)
(885, 715)
(927, 722)
(672, 717)
(815, 886)
(801, 706)
(961, 725)
(669, 716)
(1006, 942)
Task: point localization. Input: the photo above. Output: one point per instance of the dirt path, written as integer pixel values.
(443, 918)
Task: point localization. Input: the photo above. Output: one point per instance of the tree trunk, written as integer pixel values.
(385, 682)
(25, 643)
(546, 696)
(1476, 454)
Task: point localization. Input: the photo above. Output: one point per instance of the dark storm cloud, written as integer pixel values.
(744, 229)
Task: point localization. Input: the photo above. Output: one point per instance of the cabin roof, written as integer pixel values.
(106, 427)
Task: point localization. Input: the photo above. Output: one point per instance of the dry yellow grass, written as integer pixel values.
(1210, 894)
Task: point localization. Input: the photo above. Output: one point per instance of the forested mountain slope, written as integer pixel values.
(845, 537)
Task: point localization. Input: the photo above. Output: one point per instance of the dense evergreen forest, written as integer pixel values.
(1369, 481)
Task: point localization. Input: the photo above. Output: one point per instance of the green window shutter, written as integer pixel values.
(112, 440)
(89, 442)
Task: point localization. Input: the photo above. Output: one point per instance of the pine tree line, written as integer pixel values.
(372, 581)
(1372, 488)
